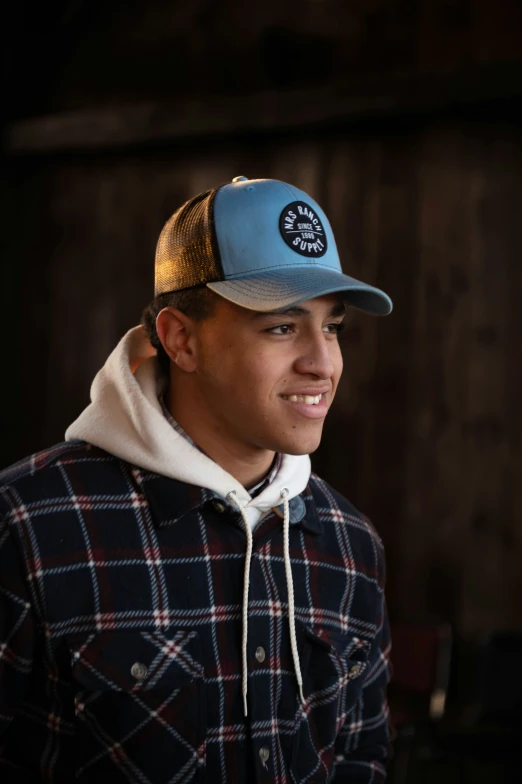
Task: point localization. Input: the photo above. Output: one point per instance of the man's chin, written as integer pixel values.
(297, 446)
(298, 452)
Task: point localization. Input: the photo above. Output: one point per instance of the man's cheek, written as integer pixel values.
(339, 365)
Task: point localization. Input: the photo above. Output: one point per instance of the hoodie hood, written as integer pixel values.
(125, 418)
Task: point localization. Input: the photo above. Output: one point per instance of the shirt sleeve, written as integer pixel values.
(16, 629)
(362, 748)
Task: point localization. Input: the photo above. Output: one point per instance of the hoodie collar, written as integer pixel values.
(256, 490)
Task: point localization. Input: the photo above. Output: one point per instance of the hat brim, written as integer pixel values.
(281, 289)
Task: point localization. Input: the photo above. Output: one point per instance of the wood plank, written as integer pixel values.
(348, 101)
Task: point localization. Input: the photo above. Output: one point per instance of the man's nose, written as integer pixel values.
(315, 358)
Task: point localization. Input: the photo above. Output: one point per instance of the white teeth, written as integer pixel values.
(308, 399)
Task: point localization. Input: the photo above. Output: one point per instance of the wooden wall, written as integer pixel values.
(400, 118)
(425, 433)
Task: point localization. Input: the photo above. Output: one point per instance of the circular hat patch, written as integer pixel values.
(302, 230)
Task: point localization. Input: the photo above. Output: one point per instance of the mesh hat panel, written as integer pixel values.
(187, 253)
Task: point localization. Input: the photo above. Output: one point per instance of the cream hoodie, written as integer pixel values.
(125, 418)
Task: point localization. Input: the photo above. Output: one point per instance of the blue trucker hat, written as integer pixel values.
(262, 244)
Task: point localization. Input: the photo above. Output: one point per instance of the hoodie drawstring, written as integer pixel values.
(290, 589)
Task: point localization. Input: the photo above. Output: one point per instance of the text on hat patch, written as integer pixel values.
(302, 230)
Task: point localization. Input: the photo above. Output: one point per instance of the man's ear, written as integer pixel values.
(176, 331)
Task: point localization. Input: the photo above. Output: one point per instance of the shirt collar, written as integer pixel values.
(170, 500)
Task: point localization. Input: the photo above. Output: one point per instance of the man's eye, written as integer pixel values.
(281, 329)
(336, 328)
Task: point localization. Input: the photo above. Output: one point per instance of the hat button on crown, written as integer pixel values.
(240, 178)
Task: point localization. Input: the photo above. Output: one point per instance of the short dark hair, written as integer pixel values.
(197, 303)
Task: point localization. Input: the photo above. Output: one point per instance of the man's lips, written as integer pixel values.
(313, 391)
(311, 409)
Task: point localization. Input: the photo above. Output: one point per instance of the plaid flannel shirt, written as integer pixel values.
(120, 632)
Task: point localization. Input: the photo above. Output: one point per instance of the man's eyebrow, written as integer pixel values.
(339, 309)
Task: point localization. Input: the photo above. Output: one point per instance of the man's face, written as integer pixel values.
(268, 380)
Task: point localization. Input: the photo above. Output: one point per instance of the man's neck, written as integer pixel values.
(248, 465)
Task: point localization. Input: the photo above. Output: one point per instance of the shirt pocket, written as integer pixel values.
(333, 667)
(139, 705)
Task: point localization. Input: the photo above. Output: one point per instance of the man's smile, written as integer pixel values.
(311, 406)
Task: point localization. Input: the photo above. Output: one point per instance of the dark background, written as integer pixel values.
(401, 119)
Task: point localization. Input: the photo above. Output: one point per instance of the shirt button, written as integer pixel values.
(260, 654)
(354, 671)
(264, 754)
(218, 505)
(139, 671)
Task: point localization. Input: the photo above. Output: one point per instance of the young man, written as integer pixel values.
(181, 600)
